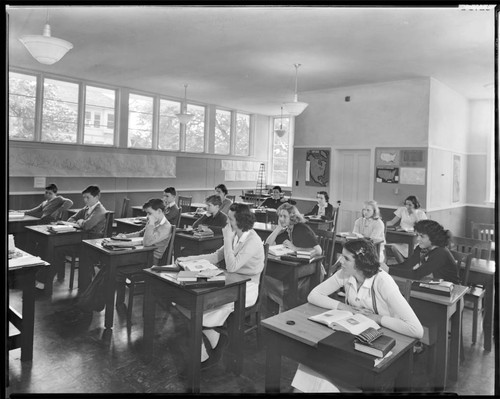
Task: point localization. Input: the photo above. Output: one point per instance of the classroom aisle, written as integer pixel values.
(70, 356)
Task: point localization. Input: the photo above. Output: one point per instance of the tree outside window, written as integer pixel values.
(140, 121)
(22, 102)
(242, 134)
(169, 133)
(281, 148)
(222, 132)
(195, 129)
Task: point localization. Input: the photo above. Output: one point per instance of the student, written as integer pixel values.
(213, 217)
(243, 253)
(293, 233)
(92, 218)
(431, 256)
(52, 208)
(370, 291)
(157, 231)
(322, 208)
(172, 212)
(221, 191)
(276, 199)
(370, 225)
(407, 216)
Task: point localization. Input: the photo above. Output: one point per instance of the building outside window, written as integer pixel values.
(140, 121)
(195, 129)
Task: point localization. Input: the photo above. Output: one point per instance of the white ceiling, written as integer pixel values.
(242, 57)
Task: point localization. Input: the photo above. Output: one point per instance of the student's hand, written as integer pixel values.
(288, 244)
(79, 222)
(227, 232)
(343, 306)
(121, 235)
(368, 313)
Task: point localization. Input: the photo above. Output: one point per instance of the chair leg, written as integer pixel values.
(72, 273)
(474, 322)
(462, 354)
(130, 304)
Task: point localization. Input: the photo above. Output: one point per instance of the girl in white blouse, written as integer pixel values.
(368, 290)
(370, 225)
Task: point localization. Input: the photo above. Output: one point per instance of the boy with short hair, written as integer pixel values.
(172, 212)
(50, 210)
(91, 218)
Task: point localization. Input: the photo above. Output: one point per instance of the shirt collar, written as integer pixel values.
(91, 208)
(366, 284)
(171, 204)
(242, 239)
(162, 221)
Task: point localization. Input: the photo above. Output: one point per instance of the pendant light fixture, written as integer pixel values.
(45, 48)
(281, 132)
(296, 107)
(184, 117)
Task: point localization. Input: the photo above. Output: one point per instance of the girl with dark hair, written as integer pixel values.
(322, 209)
(221, 191)
(368, 290)
(431, 256)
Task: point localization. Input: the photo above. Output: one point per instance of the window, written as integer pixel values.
(170, 130)
(280, 155)
(22, 104)
(60, 111)
(140, 121)
(99, 102)
(242, 135)
(222, 131)
(195, 129)
(491, 169)
(110, 124)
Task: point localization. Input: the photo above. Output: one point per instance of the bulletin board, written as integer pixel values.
(400, 172)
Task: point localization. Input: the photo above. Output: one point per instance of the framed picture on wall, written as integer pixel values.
(387, 175)
(387, 156)
(317, 168)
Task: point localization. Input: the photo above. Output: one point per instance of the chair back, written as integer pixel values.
(256, 306)
(123, 213)
(108, 226)
(478, 248)
(271, 216)
(483, 231)
(326, 240)
(463, 258)
(335, 217)
(184, 203)
(178, 222)
(166, 259)
(231, 197)
(404, 285)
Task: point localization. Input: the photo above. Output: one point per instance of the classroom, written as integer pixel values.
(188, 122)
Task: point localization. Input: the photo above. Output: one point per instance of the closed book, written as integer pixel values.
(378, 347)
(204, 283)
(294, 258)
(187, 276)
(308, 254)
(422, 287)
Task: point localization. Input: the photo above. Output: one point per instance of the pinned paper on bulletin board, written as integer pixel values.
(40, 182)
(412, 176)
(387, 175)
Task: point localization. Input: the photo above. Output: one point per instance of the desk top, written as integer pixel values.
(24, 259)
(191, 215)
(482, 266)
(458, 292)
(183, 234)
(401, 233)
(43, 229)
(96, 243)
(138, 222)
(170, 278)
(25, 218)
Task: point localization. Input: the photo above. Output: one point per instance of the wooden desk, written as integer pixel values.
(24, 322)
(264, 229)
(482, 272)
(17, 228)
(289, 273)
(196, 205)
(300, 343)
(93, 250)
(185, 244)
(265, 215)
(167, 290)
(48, 246)
(129, 225)
(441, 310)
(393, 236)
(188, 219)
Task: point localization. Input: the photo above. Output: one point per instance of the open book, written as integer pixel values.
(280, 250)
(197, 265)
(343, 320)
(123, 242)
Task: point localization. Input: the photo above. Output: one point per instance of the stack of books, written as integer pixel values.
(438, 287)
(60, 228)
(305, 253)
(280, 250)
(374, 342)
(203, 233)
(16, 215)
(202, 279)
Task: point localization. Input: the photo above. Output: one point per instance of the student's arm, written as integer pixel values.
(319, 296)
(154, 236)
(77, 216)
(200, 221)
(328, 212)
(36, 212)
(138, 233)
(437, 258)
(213, 258)
(411, 261)
(173, 215)
(378, 230)
(395, 220)
(271, 240)
(235, 262)
(94, 219)
(356, 228)
(313, 211)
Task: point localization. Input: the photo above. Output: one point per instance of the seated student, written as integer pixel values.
(172, 211)
(276, 199)
(213, 217)
(221, 191)
(431, 256)
(156, 232)
(370, 225)
(407, 216)
(243, 253)
(293, 233)
(92, 218)
(51, 209)
(368, 290)
(322, 208)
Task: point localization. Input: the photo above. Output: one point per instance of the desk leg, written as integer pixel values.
(237, 332)
(273, 365)
(488, 312)
(196, 330)
(110, 292)
(441, 369)
(149, 320)
(403, 382)
(84, 269)
(456, 333)
(291, 300)
(52, 259)
(28, 318)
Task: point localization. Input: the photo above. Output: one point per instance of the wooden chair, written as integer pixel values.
(484, 232)
(184, 203)
(326, 240)
(73, 258)
(478, 248)
(476, 293)
(123, 212)
(231, 197)
(404, 285)
(135, 281)
(336, 216)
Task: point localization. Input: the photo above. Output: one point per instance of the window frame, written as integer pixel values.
(291, 139)
(116, 111)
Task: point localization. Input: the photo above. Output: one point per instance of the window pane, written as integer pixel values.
(140, 121)
(60, 111)
(195, 129)
(222, 131)
(22, 99)
(280, 152)
(170, 128)
(242, 146)
(100, 103)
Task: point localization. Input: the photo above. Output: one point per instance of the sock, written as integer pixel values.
(213, 337)
(204, 354)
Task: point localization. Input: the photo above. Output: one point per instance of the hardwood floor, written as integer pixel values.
(71, 356)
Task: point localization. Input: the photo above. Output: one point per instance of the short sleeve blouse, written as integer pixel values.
(407, 220)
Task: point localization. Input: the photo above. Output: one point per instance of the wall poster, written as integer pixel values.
(456, 178)
(318, 163)
(387, 175)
